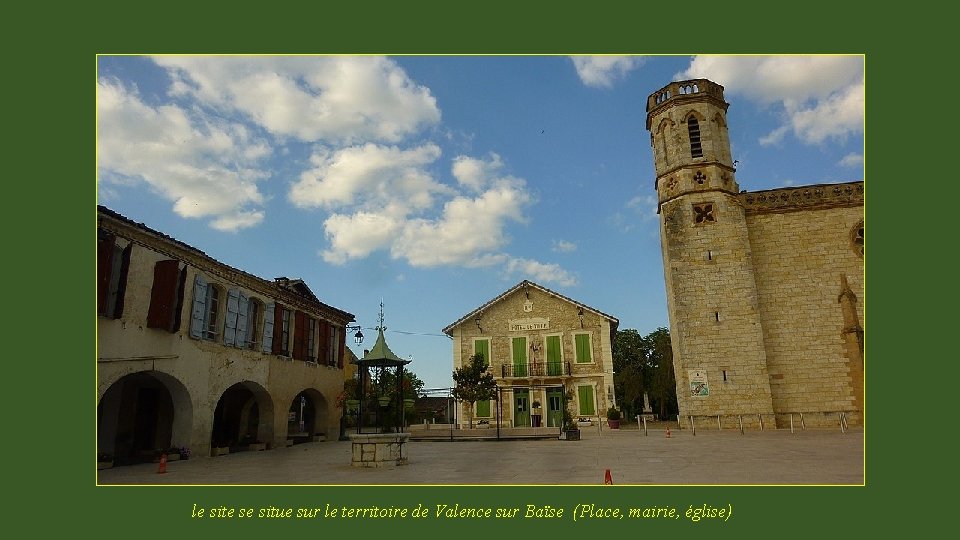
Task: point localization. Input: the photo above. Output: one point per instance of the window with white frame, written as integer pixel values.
(583, 348)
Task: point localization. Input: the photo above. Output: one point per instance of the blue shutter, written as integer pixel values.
(242, 308)
(199, 307)
(268, 328)
(230, 321)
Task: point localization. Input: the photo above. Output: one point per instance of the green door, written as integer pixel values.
(519, 357)
(521, 408)
(554, 408)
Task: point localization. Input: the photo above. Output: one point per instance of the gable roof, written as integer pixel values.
(529, 284)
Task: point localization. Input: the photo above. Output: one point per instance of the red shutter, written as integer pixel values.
(105, 245)
(299, 332)
(164, 294)
(277, 328)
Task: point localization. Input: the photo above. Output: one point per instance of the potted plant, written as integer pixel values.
(184, 452)
(613, 418)
(536, 413)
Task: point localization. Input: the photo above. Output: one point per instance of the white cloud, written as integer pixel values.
(207, 167)
(343, 99)
(822, 97)
(370, 175)
(603, 71)
(852, 160)
(475, 174)
(645, 205)
(541, 272)
(467, 228)
(563, 246)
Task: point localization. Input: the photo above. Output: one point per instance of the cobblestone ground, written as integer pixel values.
(812, 456)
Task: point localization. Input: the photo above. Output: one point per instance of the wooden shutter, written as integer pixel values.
(299, 334)
(163, 293)
(122, 285)
(323, 343)
(482, 346)
(583, 348)
(341, 345)
(105, 243)
(230, 319)
(519, 357)
(278, 329)
(199, 307)
(268, 316)
(586, 400)
(483, 408)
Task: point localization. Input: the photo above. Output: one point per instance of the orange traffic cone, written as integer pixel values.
(668, 433)
(607, 479)
(163, 464)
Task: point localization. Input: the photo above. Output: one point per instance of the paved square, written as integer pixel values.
(812, 456)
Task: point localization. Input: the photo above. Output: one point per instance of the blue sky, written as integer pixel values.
(434, 183)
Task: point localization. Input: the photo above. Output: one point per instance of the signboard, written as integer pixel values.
(698, 383)
(521, 325)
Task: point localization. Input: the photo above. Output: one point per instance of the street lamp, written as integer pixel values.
(358, 337)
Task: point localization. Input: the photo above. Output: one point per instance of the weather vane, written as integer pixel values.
(381, 327)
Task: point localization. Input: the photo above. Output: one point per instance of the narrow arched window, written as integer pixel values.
(694, 129)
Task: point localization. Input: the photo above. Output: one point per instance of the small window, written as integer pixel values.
(856, 238)
(212, 306)
(254, 316)
(281, 333)
(703, 213)
(483, 408)
(310, 340)
(693, 127)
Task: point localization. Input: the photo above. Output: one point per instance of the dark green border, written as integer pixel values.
(51, 101)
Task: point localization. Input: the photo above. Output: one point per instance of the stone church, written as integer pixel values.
(765, 289)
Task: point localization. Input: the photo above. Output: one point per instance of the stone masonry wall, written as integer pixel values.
(798, 259)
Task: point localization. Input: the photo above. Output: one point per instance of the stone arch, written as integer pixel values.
(308, 415)
(243, 415)
(142, 412)
(663, 136)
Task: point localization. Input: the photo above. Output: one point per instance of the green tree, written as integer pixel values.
(644, 364)
(472, 383)
(663, 384)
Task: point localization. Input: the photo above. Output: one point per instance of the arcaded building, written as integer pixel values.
(765, 289)
(194, 353)
(539, 346)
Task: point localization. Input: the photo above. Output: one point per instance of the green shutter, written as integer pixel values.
(553, 355)
(586, 400)
(583, 348)
(483, 408)
(482, 346)
(519, 357)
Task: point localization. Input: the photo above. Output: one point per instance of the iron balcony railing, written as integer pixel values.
(535, 369)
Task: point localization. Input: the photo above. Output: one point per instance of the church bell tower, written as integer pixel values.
(715, 326)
